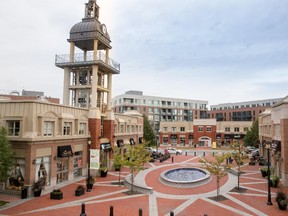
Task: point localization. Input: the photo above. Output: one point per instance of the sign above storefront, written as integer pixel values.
(64, 151)
(106, 146)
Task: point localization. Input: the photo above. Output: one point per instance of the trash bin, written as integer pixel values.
(24, 192)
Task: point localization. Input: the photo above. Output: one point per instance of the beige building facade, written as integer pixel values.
(273, 130)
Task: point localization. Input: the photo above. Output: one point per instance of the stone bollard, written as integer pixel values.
(111, 211)
(83, 210)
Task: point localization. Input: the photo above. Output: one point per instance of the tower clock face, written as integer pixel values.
(104, 29)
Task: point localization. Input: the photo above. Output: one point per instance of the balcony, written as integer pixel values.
(110, 66)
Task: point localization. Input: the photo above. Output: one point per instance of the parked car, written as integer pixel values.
(249, 149)
(150, 150)
(174, 151)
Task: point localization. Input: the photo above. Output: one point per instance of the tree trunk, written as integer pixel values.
(218, 186)
(132, 182)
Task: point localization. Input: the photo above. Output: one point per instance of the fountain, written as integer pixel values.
(185, 177)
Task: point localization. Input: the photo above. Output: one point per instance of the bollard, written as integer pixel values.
(140, 212)
(171, 213)
(172, 159)
(205, 215)
(213, 153)
(111, 211)
(83, 210)
(186, 153)
(194, 153)
(204, 154)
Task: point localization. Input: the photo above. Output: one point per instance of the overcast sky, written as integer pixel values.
(216, 50)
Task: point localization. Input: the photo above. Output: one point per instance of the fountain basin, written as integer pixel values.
(185, 177)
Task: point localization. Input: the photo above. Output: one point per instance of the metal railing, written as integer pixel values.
(80, 58)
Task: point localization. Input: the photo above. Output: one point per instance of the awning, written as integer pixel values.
(120, 143)
(64, 151)
(106, 146)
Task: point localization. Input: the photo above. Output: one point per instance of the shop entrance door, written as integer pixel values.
(62, 169)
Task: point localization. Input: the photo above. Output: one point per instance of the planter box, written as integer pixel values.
(89, 186)
(79, 192)
(37, 193)
(103, 173)
(56, 196)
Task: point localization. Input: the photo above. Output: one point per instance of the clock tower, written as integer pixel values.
(88, 71)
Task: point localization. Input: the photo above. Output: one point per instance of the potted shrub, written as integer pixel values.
(282, 200)
(80, 190)
(56, 194)
(37, 188)
(274, 180)
(103, 171)
(264, 171)
(89, 183)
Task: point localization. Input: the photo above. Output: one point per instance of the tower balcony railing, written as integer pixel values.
(81, 58)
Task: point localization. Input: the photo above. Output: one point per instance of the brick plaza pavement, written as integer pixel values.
(163, 200)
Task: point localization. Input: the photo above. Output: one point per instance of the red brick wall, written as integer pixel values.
(95, 132)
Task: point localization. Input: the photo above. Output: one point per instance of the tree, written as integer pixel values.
(149, 134)
(216, 167)
(252, 135)
(135, 158)
(6, 155)
(238, 155)
(117, 162)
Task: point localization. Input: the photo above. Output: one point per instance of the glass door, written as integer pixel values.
(62, 169)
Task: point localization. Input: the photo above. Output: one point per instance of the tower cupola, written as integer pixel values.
(84, 33)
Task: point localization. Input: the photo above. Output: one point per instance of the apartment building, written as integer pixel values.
(273, 130)
(242, 111)
(160, 109)
(202, 132)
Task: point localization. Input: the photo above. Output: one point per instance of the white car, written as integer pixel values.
(174, 151)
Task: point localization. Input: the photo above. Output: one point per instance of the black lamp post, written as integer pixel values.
(268, 173)
(89, 144)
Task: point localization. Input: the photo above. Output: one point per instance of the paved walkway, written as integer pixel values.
(162, 200)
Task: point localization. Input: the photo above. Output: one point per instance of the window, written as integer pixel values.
(67, 128)
(122, 128)
(173, 129)
(165, 129)
(182, 129)
(236, 129)
(13, 128)
(82, 128)
(227, 129)
(208, 129)
(200, 128)
(48, 129)
(246, 129)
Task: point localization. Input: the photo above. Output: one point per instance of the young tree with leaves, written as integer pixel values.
(252, 135)
(135, 158)
(149, 134)
(238, 155)
(216, 167)
(6, 155)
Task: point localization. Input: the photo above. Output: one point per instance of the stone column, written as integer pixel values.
(66, 86)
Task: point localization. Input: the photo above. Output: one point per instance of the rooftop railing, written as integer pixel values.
(89, 58)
